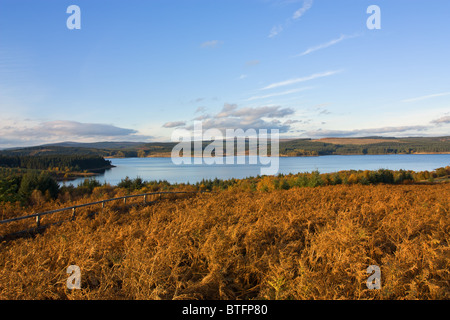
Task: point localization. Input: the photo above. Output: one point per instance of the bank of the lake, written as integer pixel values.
(163, 168)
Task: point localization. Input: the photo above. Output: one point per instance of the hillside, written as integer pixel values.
(293, 147)
(302, 243)
(367, 145)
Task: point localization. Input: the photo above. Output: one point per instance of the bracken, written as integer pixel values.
(301, 243)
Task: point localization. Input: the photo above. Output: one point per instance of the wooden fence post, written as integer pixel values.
(39, 215)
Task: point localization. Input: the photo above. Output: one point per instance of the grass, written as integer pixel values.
(301, 243)
(356, 141)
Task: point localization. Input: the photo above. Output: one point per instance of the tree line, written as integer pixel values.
(304, 147)
(24, 185)
(288, 181)
(317, 179)
(71, 163)
(19, 185)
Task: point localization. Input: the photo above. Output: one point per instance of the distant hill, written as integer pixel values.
(104, 149)
(288, 147)
(365, 145)
(358, 141)
(97, 145)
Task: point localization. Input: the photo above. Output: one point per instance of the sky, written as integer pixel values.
(137, 70)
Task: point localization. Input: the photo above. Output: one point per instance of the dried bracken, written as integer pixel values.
(301, 243)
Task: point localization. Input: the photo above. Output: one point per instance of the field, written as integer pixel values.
(301, 243)
(357, 141)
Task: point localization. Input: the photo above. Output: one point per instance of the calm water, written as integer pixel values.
(164, 169)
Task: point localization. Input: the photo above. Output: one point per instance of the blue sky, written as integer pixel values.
(136, 70)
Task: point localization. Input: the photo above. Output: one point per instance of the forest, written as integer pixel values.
(56, 162)
(306, 147)
(20, 176)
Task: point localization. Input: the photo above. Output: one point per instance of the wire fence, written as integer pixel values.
(73, 209)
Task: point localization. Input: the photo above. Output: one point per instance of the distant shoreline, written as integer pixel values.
(92, 173)
(292, 156)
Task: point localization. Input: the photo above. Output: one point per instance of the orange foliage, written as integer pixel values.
(302, 243)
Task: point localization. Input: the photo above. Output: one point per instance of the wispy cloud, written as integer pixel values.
(324, 111)
(197, 100)
(252, 63)
(409, 130)
(202, 117)
(427, 97)
(307, 4)
(211, 44)
(365, 132)
(326, 45)
(278, 94)
(200, 109)
(441, 120)
(275, 31)
(174, 124)
(303, 79)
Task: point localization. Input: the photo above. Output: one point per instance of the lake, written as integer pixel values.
(163, 168)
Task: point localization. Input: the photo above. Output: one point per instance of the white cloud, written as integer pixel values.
(211, 44)
(366, 132)
(275, 31)
(62, 127)
(431, 127)
(278, 94)
(197, 100)
(251, 114)
(303, 79)
(200, 109)
(441, 120)
(427, 97)
(174, 124)
(252, 63)
(307, 4)
(326, 45)
(26, 133)
(202, 117)
(232, 117)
